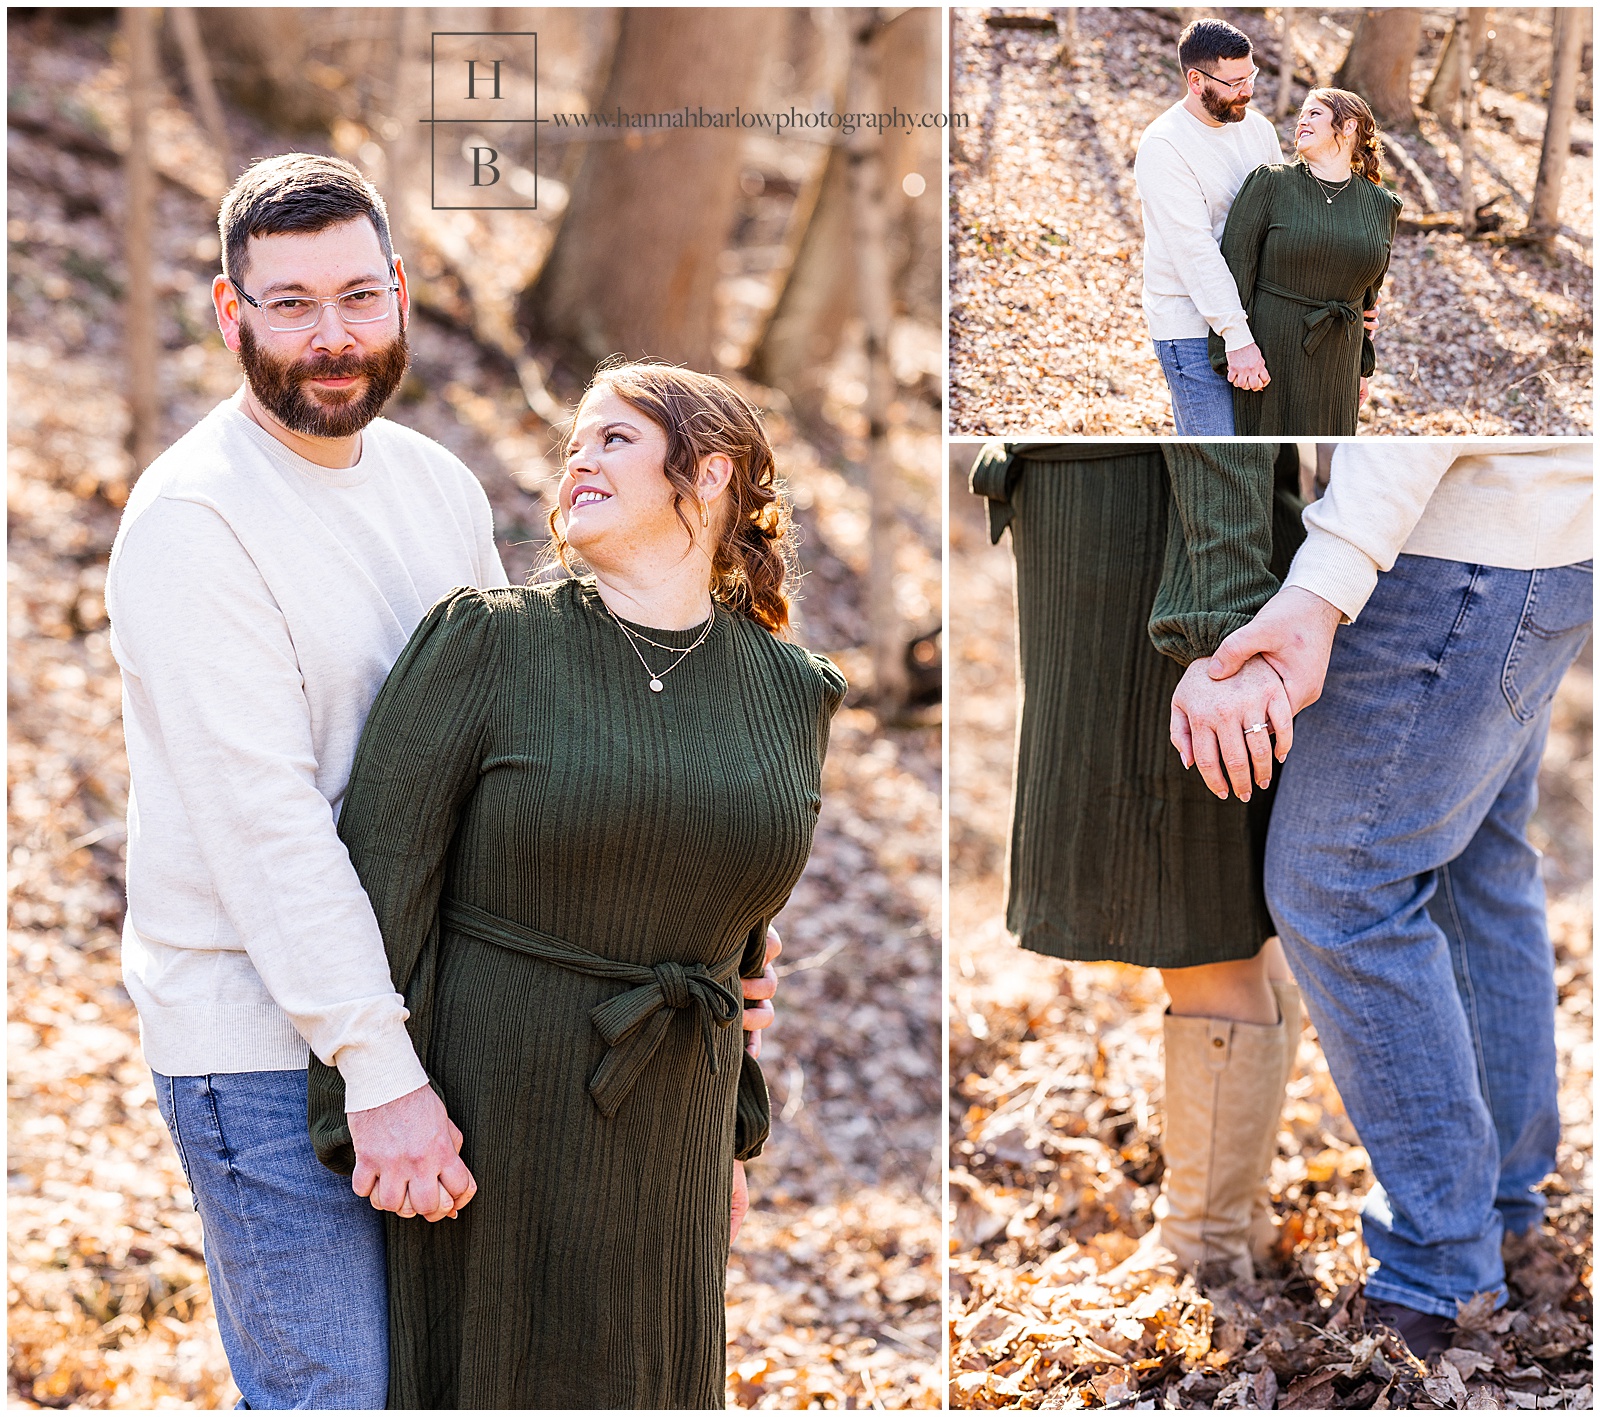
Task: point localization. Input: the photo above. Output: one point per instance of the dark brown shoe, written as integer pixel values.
(1426, 1335)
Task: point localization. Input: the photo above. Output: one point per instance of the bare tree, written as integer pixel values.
(873, 299)
(1468, 88)
(197, 68)
(1280, 96)
(140, 346)
(634, 266)
(1567, 38)
(1378, 63)
(1444, 89)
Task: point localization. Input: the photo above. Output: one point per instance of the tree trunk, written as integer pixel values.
(140, 346)
(1378, 65)
(1281, 95)
(202, 89)
(819, 295)
(1444, 93)
(870, 225)
(1469, 106)
(634, 267)
(1567, 40)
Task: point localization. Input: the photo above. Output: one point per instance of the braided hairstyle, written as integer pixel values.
(1344, 105)
(752, 555)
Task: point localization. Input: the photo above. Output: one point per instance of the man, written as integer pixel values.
(1190, 165)
(1398, 869)
(269, 569)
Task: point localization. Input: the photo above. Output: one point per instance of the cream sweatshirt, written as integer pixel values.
(1506, 502)
(1188, 175)
(257, 603)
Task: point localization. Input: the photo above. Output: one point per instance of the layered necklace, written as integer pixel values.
(1328, 193)
(635, 639)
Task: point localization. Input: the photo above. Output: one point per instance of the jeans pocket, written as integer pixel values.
(167, 1105)
(1556, 618)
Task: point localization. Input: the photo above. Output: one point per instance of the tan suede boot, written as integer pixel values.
(1263, 1228)
(1223, 1096)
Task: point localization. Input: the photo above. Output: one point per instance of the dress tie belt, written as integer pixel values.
(633, 1023)
(1324, 314)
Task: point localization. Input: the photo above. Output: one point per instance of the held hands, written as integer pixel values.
(1247, 369)
(1212, 725)
(1361, 396)
(1369, 316)
(1293, 632)
(408, 1157)
(760, 991)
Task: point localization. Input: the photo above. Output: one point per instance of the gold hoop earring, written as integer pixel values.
(705, 516)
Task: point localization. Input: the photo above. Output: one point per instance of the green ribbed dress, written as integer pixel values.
(1131, 562)
(1306, 269)
(570, 871)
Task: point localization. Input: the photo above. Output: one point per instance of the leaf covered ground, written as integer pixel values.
(1056, 1130)
(1047, 335)
(834, 1286)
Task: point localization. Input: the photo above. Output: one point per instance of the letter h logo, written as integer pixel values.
(483, 117)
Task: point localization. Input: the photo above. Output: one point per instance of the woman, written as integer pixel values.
(1132, 563)
(1308, 245)
(576, 807)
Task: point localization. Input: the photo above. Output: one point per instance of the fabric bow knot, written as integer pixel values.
(1323, 318)
(633, 1025)
(634, 1022)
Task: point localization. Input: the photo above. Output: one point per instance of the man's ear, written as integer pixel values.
(225, 300)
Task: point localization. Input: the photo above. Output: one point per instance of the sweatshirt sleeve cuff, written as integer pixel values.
(1237, 335)
(1328, 566)
(381, 1071)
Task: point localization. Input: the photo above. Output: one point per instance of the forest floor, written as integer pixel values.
(1047, 334)
(1056, 1127)
(834, 1287)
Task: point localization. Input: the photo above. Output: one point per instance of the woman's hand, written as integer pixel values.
(760, 991)
(1361, 397)
(741, 1201)
(1212, 725)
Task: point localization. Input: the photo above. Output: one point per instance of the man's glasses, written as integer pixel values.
(1232, 84)
(288, 313)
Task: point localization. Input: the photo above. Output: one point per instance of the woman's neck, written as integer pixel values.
(675, 598)
(1331, 166)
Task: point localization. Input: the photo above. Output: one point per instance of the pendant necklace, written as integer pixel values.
(1347, 181)
(682, 651)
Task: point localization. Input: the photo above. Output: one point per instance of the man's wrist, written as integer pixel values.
(380, 1072)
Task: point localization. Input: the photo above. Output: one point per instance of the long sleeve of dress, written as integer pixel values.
(416, 765)
(1248, 220)
(1217, 569)
(1369, 354)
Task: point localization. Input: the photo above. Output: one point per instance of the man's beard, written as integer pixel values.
(1224, 110)
(279, 384)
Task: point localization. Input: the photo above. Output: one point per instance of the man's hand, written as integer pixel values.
(1247, 369)
(760, 991)
(1293, 632)
(408, 1157)
(1212, 723)
(741, 1201)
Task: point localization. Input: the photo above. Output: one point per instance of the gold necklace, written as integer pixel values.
(682, 651)
(1347, 181)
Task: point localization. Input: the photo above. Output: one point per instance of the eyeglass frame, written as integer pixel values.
(392, 287)
(1229, 84)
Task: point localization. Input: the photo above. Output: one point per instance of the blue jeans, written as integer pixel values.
(1202, 400)
(295, 1257)
(1410, 903)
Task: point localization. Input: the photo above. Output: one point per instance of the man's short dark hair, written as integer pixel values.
(296, 192)
(1206, 41)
